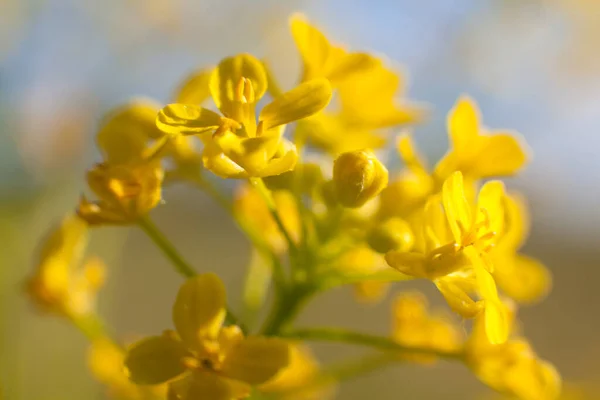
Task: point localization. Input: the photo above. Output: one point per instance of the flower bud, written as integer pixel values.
(392, 234)
(358, 176)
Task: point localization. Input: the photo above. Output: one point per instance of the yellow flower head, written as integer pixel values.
(127, 131)
(105, 361)
(459, 263)
(242, 144)
(204, 359)
(522, 278)
(476, 153)
(413, 326)
(251, 207)
(125, 192)
(59, 283)
(512, 367)
(298, 381)
(367, 93)
(358, 176)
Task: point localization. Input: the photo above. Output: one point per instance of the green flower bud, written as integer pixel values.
(392, 234)
(358, 176)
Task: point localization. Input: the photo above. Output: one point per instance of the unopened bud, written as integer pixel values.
(392, 234)
(358, 176)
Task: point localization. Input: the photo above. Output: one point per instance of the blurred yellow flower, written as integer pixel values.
(414, 326)
(367, 92)
(60, 284)
(204, 359)
(105, 361)
(125, 192)
(474, 151)
(300, 379)
(512, 368)
(520, 277)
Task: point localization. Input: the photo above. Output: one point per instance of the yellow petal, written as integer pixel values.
(491, 199)
(463, 124)
(502, 155)
(408, 153)
(187, 119)
(350, 64)
(199, 310)
(496, 323)
(155, 360)
(252, 154)
(456, 206)
(126, 131)
(527, 280)
(204, 385)
(227, 76)
(518, 222)
(255, 360)
(412, 264)
(303, 101)
(457, 297)
(313, 46)
(279, 165)
(195, 88)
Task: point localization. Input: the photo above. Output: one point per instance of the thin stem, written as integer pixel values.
(286, 307)
(363, 339)
(266, 195)
(166, 246)
(90, 325)
(173, 255)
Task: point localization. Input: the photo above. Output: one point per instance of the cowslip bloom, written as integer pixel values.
(204, 359)
(238, 144)
(60, 283)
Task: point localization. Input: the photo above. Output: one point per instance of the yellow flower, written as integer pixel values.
(364, 261)
(251, 207)
(124, 136)
(105, 361)
(242, 145)
(512, 367)
(522, 278)
(204, 359)
(358, 176)
(475, 152)
(60, 284)
(391, 234)
(408, 192)
(459, 264)
(367, 94)
(321, 59)
(125, 192)
(298, 381)
(414, 327)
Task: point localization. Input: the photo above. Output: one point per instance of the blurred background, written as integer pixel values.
(533, 66)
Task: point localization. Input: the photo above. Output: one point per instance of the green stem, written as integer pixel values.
(166, 246)
(90, 325)
(173, 255)
(344, 336)
(266, 195)
(286, 307)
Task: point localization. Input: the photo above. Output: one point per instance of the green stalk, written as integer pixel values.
(340, 335)
(173, 255)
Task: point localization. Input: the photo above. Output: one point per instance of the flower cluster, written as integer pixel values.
(321, 211)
